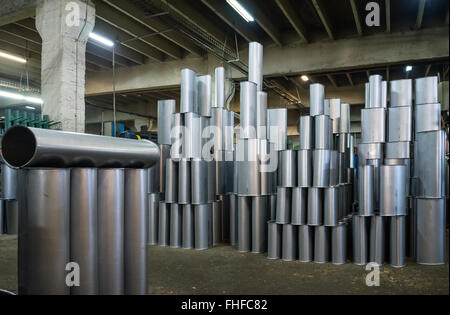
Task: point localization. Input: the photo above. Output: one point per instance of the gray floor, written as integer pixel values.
(223, 270)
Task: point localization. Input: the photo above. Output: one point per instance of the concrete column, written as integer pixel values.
(64, 26)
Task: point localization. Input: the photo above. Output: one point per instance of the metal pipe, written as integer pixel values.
(283, 213)
(184, 182)
(331, 206)
(84, 229)
(248, 110)
(260, 217)
(288, 166)
(339, 244)
(164, 224)
(166, 109)
(398, 241)
(299, 206)
(393, 196)
(261, 115)
(401, 93)
(111, 203)
(360, 240)
(233, 219)
(321, 168)
(204, 95)
(176, 225)
(219, 93)
(321, 244)
(8, 182)
(317, 96)
(244, 224)
(199, 176)
(32, 147)
(366, 191)
(255, 64)
(315, 206)
(274, 240)
(203, 226)
(188, 239)
(307, 133)
(375, 82)
(289, 243)
(377, 240)
(12, 217)
(305, 172)
(153, 219)
(305, 243)
(171, 181)
(217, 222)
(426, 90)
(188, 99)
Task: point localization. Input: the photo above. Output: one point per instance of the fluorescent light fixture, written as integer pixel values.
(305, 78)
(241, 10)
(101, 39)
(408, 68)
(20, 97)
(11, 57)
(30, 107)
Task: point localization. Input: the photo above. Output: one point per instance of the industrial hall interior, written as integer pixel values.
(224, 148)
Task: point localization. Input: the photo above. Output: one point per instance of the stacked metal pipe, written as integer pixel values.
(9, 216)
(192, 212)
(429, 216)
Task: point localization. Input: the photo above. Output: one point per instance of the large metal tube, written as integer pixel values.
(331, 206)
(165, 154)
(166, 109)
(261, 115)
(12, 217)
(401, 93)
(305, 243)
(307, 133)
(288, 166)
(153, 219)
(321, 168)
(2, 215)
(366, 191)
(283, 213)
(321, 244)
(255, 64)
(33, 147)
(299, 206)
(8, 182)
(345, 118)
(136, 231)
(339, 244)
(400, 124)
(317, 99)
(219, 93)
(199, 176)
(164, 224)
(323, 132)
(46, 233)
(203, 226)
(176, 225)
(184, 182)
(398, 241)
(375, 83)
(248, 110)
(244, 224)
(233, 219)
(373, 122)
(337, 168)
(289, 243)
(188, 238)
(260, 217)
(304, 167)
(360, 240)
(153, 179)
(277, 128)
(427, 90)
(393, 194)
(84, 229)
(171, 181)
(274, 240)
(217, 222)
(111, 203)
(204, 95)
(188, 99)
(315, 206)
(377, 240)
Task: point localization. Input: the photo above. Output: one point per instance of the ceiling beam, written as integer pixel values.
(388, 16)
(318, 5)
(264, 21)
(420, 12)
(356, 17)
(155, 25)
(22, 10)
(293, 17)
(330, 77)
(240, 26)
(22, 32)
(349, 78)
(123, 22)
(20, 42)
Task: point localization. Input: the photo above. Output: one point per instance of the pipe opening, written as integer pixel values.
(18, 146)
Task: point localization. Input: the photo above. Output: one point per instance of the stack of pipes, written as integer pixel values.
(191, 210)
(255, 160)
(429, 214)
(9, 215)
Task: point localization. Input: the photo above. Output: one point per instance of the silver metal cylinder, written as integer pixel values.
(427, 90)
(337, 168)
(274, 240)
(377, 240)
(288, 166)
(272, 207)
(321, 244)
(233, 219)
(323, 132)
(304, 167)
(255, 64)
(398, 150)
(284, 202)
(136, 231)
(299, 206)
(111, 214)
(401, 93)
(203, 226)
(373, 122)
(384, 92)
(366, 191)
(249, 179)
(199, 176)
(307, 133)
(289, 243)
(244, 224)
(171, 181)
(166, 109)
(153, 219)
(212, 183)
(153, 179)
(398, 241)
(164, 224)
(277, 128)
(375, 82)
(335, 114)
(428, 117)
(260, 217)
(345, 118)
(219, 93)
(2, 215)
(360, 240)
(317, 98)
(339, 244)
(331, 206)
(84, 229)
(305, 243)
(188, 97)
(46, 235)
(217, 222)
(184, 182)
(248, 110)
(165, 154)
(188, 236)
(430, 219)
(34, 147)
(393, 192)
(400, 124)
(12, 217)
(315, 206)
(176, 225)
(8, 182)
(204, 95)
(369, 151)
(261, 115)
(321, 168)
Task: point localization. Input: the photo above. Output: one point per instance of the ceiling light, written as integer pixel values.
(305, 78)
(408, 68)
(20, 97)
(241, 10)
(101, 39)
(11, 57)
(30, 107)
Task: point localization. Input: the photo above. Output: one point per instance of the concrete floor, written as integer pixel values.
(223, 270)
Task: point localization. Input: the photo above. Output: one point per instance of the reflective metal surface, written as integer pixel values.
(284, 202)
(204, 95)
(304, 167)
(317, 98)
(274, 240)
(203, 226)
(393, 192)
(165, 111)
(289, 243)
(299, 206)
(307, 133)
(401, 93)
(248, 110)
(164, 224)
(339, 244)
(244, 224)
(188, 236)
(398, 241)
(305, 243)
(315, 206)
(260, 217)
(188, 97)
(153, 219)
(321, 244)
